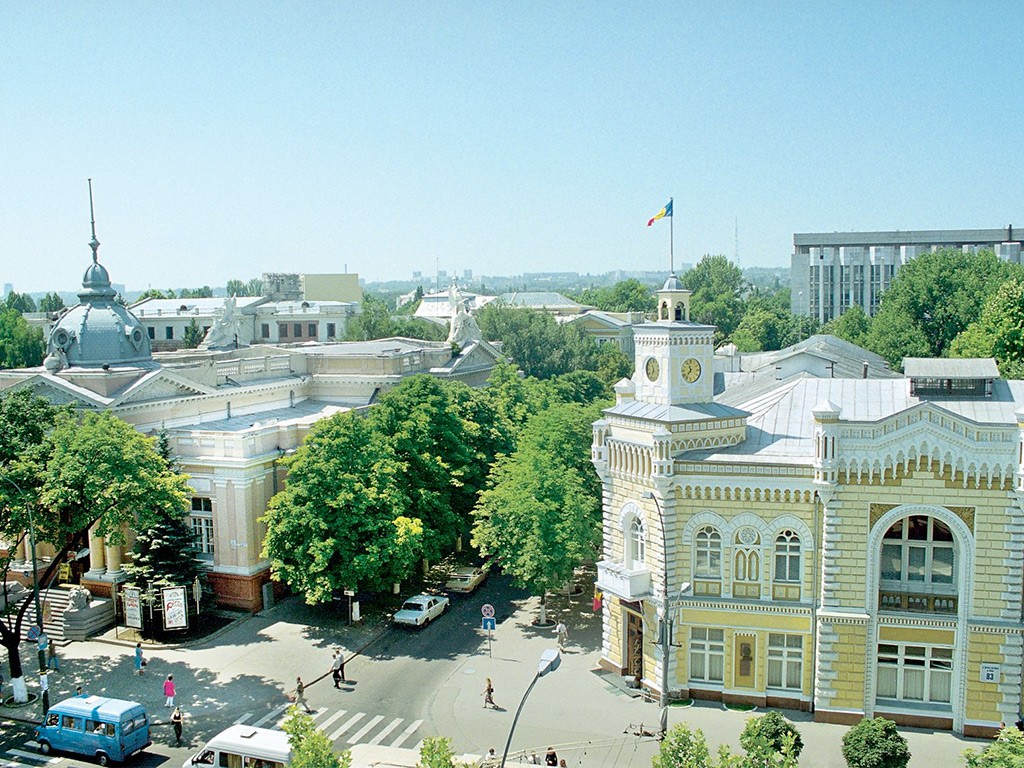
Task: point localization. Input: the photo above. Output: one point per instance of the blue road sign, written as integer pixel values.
(488, 622)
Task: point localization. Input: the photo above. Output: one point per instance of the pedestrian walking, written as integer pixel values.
(53, 662)
(561, 763)
(551, 758)
(176, 722)
(169, 691)
(338, 669)
(534, 760)
(139, 661)
(300, 696)
(563, 634)
(489, 694)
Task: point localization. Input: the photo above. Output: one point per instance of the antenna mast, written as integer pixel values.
(94, 243)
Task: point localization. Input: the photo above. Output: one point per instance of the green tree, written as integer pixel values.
(206, 292)
(717, 286)
(99, 471)
(418, 328)
(998, 332)
(437, 752)
(685, 748)
(339, 523)
(1007, 751)
(852, 326)
(420, 426)
(310, 746)
(374, 322)
(193, 335)
(774, 730)
(20, 302)
(541, 514)
(253, 287)
(538, 344)
(875, 743)
(21, 345)
(51, 302)
(625, 296)
(510, 396)
(156, 293)
(682, 748)
(612, 364)
(933, 298)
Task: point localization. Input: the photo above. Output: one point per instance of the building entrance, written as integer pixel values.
(634, 645)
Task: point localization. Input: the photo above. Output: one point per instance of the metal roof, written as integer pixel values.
(950, 368)
(635, 409)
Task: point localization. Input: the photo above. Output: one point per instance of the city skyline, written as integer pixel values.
(228, 141)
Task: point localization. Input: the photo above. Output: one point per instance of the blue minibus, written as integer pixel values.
(107, 729)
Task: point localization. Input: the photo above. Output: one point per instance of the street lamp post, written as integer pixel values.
(664, 621)
(35, 588)
(549, 661)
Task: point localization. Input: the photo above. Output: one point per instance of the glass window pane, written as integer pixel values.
(775, 673)
(887, 682)
(697, 666)
(892, 565)
(915, 564)
(896, 532)
(942, 565)
(940, 532)
(717, 668)
(918, 528)
(940, 686)
(794, 675)
(913, 684)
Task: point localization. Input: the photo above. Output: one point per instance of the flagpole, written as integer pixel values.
(671, 239)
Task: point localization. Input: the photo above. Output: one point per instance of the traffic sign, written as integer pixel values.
(488, 622)
(487, 610)
(33, 633)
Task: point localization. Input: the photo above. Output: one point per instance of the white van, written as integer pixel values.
(244, 746)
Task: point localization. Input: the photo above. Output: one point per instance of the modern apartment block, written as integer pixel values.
(833, 271)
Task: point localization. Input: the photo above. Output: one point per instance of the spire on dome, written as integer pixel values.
(94, 243)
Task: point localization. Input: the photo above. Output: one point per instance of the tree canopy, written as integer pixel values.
(21, 345)
(542, 512)
(253, 287)
(20, 302)
(717, 286)
(933, 298)
(875, 743)
(625, 296)
(310, 746)
(536, 342)
(998, 331)
(51, 302)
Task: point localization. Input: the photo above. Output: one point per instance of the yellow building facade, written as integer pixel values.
(849, 547)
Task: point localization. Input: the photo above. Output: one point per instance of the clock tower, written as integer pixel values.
(674, 356)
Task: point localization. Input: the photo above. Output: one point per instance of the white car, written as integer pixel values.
(466, 579)
(420, 610)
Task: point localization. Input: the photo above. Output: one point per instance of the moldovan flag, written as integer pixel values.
(666, 211)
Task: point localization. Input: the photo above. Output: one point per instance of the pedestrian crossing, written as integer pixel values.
(19, 758)
(346, 726)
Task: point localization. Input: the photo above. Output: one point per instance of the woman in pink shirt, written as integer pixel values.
(169, 691)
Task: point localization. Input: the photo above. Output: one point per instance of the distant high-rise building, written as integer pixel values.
(834, 271)
(8, 289)
(417, 275)
(467, 274)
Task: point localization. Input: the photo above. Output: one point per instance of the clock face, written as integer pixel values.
(691, 370)
(652, 369)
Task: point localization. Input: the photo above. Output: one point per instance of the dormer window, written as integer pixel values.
(948, 377)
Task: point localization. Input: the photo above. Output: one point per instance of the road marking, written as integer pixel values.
(406, 734)
(242, 719)
(327, 723)
(33, 744)
(42, 758)
(355, 737)
(16, 764)
(387, 729)
(319, 713)
(349, 723)
(272, 714)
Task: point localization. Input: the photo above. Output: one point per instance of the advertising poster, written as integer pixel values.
(132, 608)
(175, 613)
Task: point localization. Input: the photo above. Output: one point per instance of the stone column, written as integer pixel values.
(113, 555)
(97, 562)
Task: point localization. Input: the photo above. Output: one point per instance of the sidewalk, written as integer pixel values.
(570, 705)
(235, 654)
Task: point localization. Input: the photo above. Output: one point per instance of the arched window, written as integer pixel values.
(787, 556)
(747, 563)
(918, 555)
(637, 545)
(707, 560)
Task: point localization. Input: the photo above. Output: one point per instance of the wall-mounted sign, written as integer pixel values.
(990, 673)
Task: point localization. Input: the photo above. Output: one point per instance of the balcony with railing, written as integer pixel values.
(625, 583)
(912, 602)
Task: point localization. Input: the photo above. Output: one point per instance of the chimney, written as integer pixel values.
(864, 369)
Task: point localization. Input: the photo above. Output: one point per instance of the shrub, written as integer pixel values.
(875, 743)
(772, 728)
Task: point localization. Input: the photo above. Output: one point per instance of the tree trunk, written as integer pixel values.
(17, 674)
(543, 613)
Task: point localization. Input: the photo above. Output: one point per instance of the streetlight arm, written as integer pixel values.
(515, 720)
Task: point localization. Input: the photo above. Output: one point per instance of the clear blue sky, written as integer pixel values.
(226, 139)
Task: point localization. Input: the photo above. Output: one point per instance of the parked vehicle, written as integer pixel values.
(107, 729)
(466, 579)
(244, 746)
(420, 610)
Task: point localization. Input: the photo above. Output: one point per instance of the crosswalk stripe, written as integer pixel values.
(242, 719)
(406, 734)
(319, 713)
(355, 737)
(419, 746)
(33, 744)
(327, 723)
(387, 729)
(272, 714)
(31, 756)
(15, 764)
(348, 724)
